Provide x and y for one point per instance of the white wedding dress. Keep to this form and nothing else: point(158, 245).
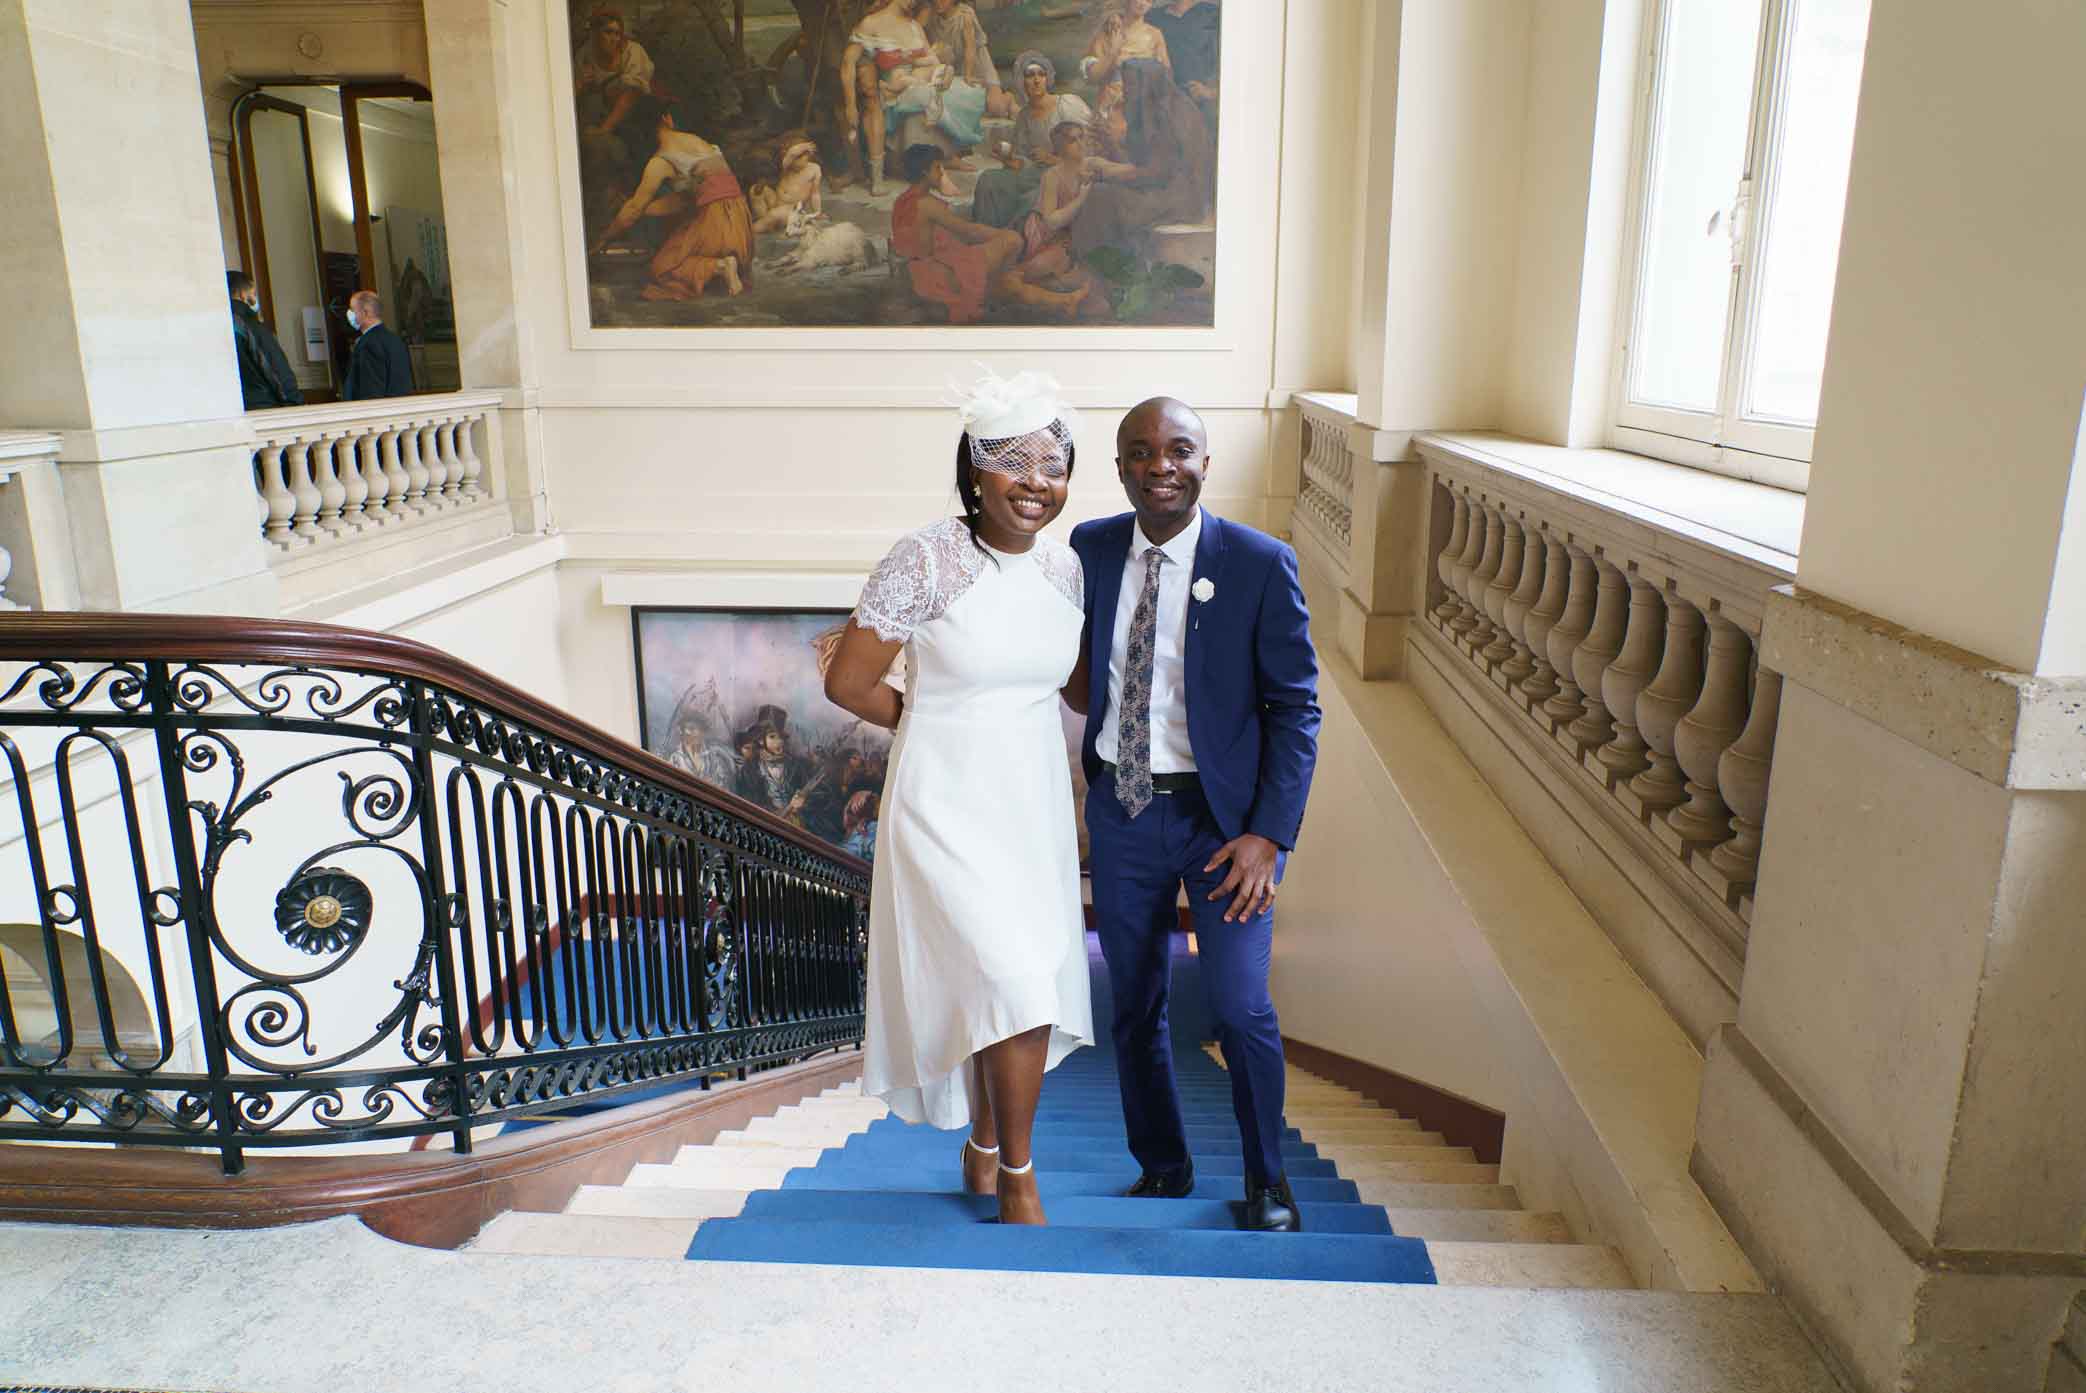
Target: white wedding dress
point(975, 926)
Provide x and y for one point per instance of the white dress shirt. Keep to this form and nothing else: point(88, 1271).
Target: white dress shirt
point(1171, 753)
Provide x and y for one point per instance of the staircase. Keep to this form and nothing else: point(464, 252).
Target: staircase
point(836, 1180)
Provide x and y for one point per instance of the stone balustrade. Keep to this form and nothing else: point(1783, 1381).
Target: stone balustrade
point(32, 527)
point(1326, 465)
point(328, 475)
point(1622, 641)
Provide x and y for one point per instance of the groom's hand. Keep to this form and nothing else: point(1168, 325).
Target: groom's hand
point(1251, 881)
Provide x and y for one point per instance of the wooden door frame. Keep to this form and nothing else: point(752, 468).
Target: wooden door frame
point(246, 194)
point(352, 94)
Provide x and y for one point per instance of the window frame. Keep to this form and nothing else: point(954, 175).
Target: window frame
point(1722, 441)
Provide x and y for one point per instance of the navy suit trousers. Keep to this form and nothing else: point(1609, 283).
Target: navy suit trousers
point(1139, 867)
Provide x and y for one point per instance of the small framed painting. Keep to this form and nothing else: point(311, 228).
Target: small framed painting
point(736, 697)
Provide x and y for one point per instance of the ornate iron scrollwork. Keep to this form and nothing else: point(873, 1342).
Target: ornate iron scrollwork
point(476, 914)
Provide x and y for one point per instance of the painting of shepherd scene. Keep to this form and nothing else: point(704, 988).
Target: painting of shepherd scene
point(779, 163)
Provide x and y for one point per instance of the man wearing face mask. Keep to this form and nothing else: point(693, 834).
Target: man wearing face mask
point(380, 365)
point(265, 378)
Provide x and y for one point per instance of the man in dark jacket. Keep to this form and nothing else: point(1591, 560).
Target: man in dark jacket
point(265, 378)
point(380, 365)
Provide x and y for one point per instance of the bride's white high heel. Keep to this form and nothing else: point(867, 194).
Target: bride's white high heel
point(1020, 1172)
point(991, 1153)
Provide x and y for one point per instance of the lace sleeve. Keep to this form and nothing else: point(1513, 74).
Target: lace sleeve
point(899, 595)
point(1062, 568)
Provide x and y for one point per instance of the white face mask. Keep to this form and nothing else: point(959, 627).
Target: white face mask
point(354, 320)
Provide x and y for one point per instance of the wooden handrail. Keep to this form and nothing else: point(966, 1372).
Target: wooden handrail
point(33, 637)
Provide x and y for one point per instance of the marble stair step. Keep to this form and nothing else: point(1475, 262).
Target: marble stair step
point(806, 1140)
point(586, 1235)
point(784, 1156)
point(1361, 1129)
point(1480, 1225)
point(657, 1201)
point(737, 1170)
point(1371, 1135)
point(1434, 1172)
point(1408, 1194)
point(1344, 1154)
point(806, 1126)
point(1581, 1265)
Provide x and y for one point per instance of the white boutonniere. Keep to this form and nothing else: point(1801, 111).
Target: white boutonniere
point(1203, 589)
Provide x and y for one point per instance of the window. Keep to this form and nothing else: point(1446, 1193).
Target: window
point(1746, 130)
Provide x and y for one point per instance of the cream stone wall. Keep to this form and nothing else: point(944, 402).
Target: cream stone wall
point(1576, 145)
point(1444, 107)
point(1950, 419)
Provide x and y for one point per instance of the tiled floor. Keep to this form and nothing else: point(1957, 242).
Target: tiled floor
point(332, 1308)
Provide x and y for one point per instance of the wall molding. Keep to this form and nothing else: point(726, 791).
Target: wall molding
point(1732, 1042)
point(2010, 728)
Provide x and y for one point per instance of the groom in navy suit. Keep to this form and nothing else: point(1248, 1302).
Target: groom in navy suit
point(1201, 733)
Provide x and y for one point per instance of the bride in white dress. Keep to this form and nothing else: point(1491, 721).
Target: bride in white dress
point(977, 941)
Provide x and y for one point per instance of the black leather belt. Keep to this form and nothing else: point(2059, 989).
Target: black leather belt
point(1168, 783)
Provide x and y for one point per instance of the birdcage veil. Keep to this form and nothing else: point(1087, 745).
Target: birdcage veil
point(1015, 425)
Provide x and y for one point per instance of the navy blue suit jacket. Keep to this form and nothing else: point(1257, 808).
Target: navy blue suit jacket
point(1251, 674)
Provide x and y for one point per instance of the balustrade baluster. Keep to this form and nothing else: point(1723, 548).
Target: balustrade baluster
point(1643, 645)
point(452, 463)
point(305, 490)
point(1660, 708)
point(279, 501)
point(1481, 629)
point(1512, 549)
point(1742, 779)
point(1712, 724)
point(430, 451)
point(333, 495)
point(467, 454)
point(415, 465)
point(1445, 564)
point(1521, 663)
point(354, 488)
point(378, 512)
point(398, 483)
point(1603, 641)
point(1466, 565)
point(1567, 702)
point(1541, 684)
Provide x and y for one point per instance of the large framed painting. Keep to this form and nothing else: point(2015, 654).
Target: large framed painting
point(780, 163)
point(737, 698)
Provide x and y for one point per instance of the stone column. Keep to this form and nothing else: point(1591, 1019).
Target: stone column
point(479, 98)
point(120, 334)
point(1893, 1126)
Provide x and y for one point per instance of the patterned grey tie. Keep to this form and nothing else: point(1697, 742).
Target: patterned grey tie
point(1133, 750)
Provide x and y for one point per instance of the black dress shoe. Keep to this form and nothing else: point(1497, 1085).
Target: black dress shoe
point(1271, 1208)
point(1164, 1185)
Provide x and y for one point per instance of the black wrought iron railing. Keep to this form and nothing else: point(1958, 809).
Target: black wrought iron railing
point(273, 885)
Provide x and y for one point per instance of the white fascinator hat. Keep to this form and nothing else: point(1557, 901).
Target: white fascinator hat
point(1001, 408)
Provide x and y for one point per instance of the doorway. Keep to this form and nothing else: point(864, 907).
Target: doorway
point(338, 188)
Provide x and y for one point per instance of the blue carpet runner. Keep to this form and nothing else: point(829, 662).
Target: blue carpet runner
point(892, 1196)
